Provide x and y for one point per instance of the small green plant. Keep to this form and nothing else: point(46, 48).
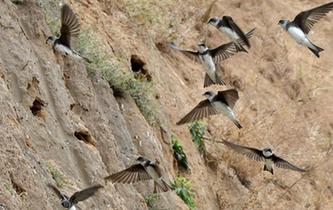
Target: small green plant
point(151, 201)
point(113, 70)
point(52, 14)
point(9, 188)
point(154, 16)
point(178, 152)
point(183, 187)
point(197, 130)
point(56, 174)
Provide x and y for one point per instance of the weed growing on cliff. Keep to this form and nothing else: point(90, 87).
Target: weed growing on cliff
point(9, 188)
point(151, 201)
point(56, 174)
point(52, 14)
point(114, 71)
point(197, 130)
point(178, 152)
point(183, 187)
point(154, 15)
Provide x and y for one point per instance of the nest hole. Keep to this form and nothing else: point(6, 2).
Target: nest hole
point(138, 67)
point(17, 187)
point(85, 137)
point(137, 63)
point(37, 107)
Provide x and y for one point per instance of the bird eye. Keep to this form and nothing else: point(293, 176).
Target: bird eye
point(65, 204)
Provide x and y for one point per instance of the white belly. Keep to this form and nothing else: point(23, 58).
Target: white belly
point(231, 34)
point(72, 208)
point(299, 36)
point(269, 164)
point(209, 66)
point(222, 108)
point(66, 51)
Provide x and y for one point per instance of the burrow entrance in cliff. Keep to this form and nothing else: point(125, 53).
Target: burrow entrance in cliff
point(37, 107)
point(17, 187)
point(138, 66)
point(85, 137)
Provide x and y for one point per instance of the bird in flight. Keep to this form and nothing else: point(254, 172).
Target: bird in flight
point(144, 169)
point(302, 24)
point(232, 30)
point(265, 155)
point(70, 28)
point(70, 202)
point(211, 57)
point(221, 102)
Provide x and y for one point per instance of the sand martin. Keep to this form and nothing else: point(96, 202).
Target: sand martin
point(144, 169)
point(216, 103)
point(211, 57)
point(302, 24)
point(231, 29)
point(263, 155)
point(70, 202)
point(70, 28)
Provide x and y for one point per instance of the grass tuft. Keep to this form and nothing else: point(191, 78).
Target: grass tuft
point(9, 188)
point(197, 130)
point(115, 71)
point(56, 174)
point(183, 187)
point(151, 201)
point(154, 16)
point(178, 152)
point(52, 14)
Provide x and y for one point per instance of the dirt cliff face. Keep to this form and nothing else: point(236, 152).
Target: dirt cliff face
point(63, 123)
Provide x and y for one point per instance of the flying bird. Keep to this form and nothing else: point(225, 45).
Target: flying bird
point(70, 28)
point(70, 202)
point(144, 169)
point(232, 30)
point(302, 24)
point(265, 155)
point(211, 57)
point(216, 103)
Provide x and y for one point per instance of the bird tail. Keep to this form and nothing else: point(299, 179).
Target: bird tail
point(245, 41)
point(239, 47)
point(237, 124)
point(269, 170)
point(161, 186)
point(86, 59)
point(81, 56)
point(316, 49)
point(208, 81)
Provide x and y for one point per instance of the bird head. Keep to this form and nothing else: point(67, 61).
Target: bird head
point(267, 152)
point(142, 159)
point(50, 40)
point(202, 47)
point(208, 94)
point(283, 23)
point(213, 21)
point(66, 203)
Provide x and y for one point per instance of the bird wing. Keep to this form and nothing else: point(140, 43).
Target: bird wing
point(306, 19)
point(223, 52)
point(235, 28)
point(190, 54)
point(84, 194)
point(70, 26)
point(251, 153)
point(279, 162)
point(160, 185)
point(227, 50)
point(203, 109)
point(132, 174)
point(229, 97)
point(56, 190)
